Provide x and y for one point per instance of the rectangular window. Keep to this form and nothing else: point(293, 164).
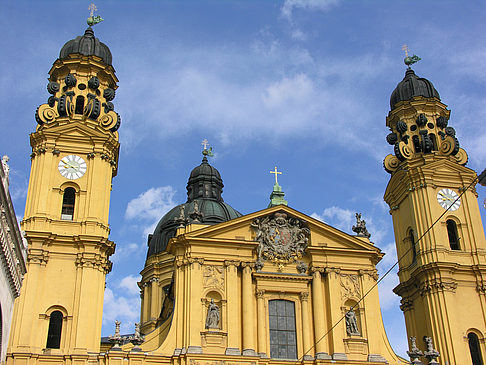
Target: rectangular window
point(283, 339)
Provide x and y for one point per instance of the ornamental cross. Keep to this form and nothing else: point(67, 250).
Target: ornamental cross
point(405, 48)
point(205, 143)
point(92, 8)
point(276, 173)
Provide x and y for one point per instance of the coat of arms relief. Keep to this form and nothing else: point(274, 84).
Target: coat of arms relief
point(282, 239)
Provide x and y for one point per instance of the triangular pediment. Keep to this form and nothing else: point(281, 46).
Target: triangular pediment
point(321, 234)
point(73, 129)
point(445, 166)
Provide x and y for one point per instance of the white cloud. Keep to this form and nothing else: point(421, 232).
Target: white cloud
point(388, 299)
point(125, 308)
point(297, 89)
point(241, 94)
point(312, 5)
point(340, 218)
point(298, 35)
point(149, 206)
point(130, 284)
point(126, 250)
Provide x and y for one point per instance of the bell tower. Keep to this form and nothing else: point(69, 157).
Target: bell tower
point(74, 158)
point(442, 270)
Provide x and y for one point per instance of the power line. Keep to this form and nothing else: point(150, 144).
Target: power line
point(390, 269)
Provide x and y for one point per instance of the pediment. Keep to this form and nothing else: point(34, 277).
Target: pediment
point(321, 234)
point(73, 128)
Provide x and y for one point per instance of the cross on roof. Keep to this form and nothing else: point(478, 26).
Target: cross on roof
point(276, 173)
point(92, 8)
point(205, 143)
point(405, 48)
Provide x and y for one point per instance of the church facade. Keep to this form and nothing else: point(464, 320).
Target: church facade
point(218, 287)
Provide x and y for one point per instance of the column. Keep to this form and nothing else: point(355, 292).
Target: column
point(146, 302)
point(232, 315)
point(262, 339)
point(154, 299)
point(306, 335)
point(248, 313)
point(319, 320)
point(196, 316)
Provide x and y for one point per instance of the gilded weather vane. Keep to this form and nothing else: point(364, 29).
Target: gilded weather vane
point(93, 20)
point(409, 60)
point(206, 152)
point(276, 173)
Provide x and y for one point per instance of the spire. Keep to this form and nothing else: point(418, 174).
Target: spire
point(277, 195)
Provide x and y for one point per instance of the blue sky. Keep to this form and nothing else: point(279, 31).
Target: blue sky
point(303, 85)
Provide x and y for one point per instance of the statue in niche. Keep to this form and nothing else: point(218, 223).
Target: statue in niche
point(352, 323)
point(212, 319)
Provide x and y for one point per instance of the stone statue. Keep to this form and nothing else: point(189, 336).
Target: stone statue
point(6, 168)
point(212, 319)
point(196, 215)
point(137, 339)
point(116, 339)
point(352, 323)
point(360, 227)
point(414, 352)
point(431, 354)
point(181, 219)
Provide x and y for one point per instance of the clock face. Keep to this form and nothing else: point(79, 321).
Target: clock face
point(72, 167)
point(447, 199)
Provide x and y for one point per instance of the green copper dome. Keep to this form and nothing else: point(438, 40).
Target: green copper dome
point(204, 205)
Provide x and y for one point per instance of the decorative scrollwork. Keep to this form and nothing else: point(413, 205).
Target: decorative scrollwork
point(401, 126)
point(110, 121)
point(117, 125)
point(441, 122)
point(450, 131)
point(421, 120)
point(282, 239)
point(53, 87)
point(461, 157)
point(109, 94)
point(402, 151)
point(70, 80)
point(390, 163)
point(92, 109)
point(447, 146)
point(392, 138)
point(65, 106)
point(108, 106)
point(45, 114)
point(94, 83)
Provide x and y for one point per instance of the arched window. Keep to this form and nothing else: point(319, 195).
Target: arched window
point(412, 246)
point(283, 342)
point(79, 105)
point(474, 349)
point(55, 329)
point(68, 200)
point(452, 233)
